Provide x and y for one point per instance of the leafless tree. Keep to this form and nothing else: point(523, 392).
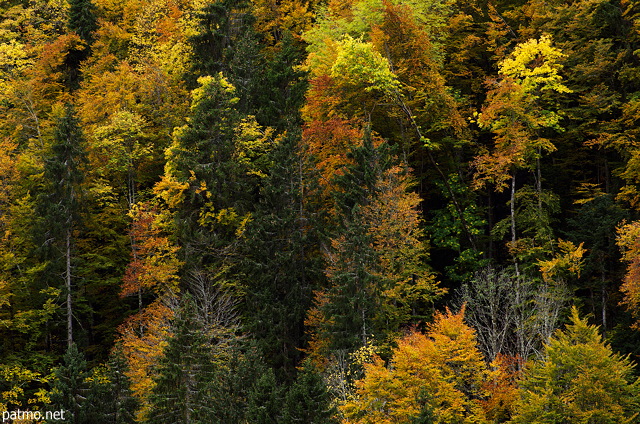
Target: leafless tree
point(513, 315)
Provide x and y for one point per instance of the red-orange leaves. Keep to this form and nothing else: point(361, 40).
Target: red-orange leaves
point(154, 265)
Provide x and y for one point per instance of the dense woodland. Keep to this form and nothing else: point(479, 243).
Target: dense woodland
point(320, 211)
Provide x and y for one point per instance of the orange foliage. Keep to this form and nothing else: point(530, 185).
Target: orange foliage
point(328, 142)
point(153, 268)
point(154, 265)
point(323, 100)
point(502, 387)
point(318, 345)
point(143, 338)
point(442, 370)
point(629, 242)
point(48, 74)
point(413, 57)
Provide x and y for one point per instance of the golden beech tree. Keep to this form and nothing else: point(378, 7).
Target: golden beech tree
point(152, 274)
point(438, 376)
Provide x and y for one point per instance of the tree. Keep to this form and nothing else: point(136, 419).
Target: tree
point(82, 19)
point(214, 168)
point(516, 111)
point(375, 262)
point(182, 390)
point(70, 388)
point(121, 404)
point(279, 262)
point(439, 375)
point(264, 404)
point(628, 241)
point(580, 379)
point(308, 400)
point(513, 315)
point(59, 205)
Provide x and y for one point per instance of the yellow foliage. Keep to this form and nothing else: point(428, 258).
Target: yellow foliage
point(442, 371)
point(535, 64)
point(360, 66)
point(567, 260)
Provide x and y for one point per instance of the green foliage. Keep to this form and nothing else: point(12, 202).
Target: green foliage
point(277, 267)
point(82, 19)
point(183, 383)
point(70, 387)
point(376, 269)
point(214, 168)
point(264, 405)
point(357, 64)
point(580, 380)
point(308, 400)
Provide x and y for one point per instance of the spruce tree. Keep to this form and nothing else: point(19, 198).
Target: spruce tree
point(70, 389)
point(112, 401)
point(278, 262)
point(59, 208)
point(82, 19)
point(264, 405)
point(182, 394)
point(308, 400)
point(376, 258)
point(213, 172)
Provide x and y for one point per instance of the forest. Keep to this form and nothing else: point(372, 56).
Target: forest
point(320, 211)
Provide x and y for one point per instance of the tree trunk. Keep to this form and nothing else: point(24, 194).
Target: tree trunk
point(68, 286)
point(513, 220)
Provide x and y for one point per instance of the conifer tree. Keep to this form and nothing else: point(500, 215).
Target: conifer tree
point(376, 261)
point(213, 171)
point(70, 389)
point(183, 383)
point(82, 19)
point(278, 260)
point(114, 401)
point(308, 401)
point(59, 206)
point(264, 404)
